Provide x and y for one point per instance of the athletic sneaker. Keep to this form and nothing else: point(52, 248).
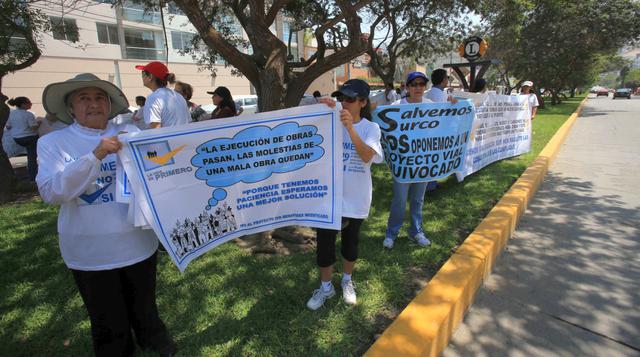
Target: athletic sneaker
point(421, 240)
point(387, 243)
point(319, 297)
point(349, 292)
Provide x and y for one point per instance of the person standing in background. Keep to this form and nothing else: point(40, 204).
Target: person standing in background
point(438, 92)
point(390, 94)
point(225, 106)
point(138, 114)
point(24, 129)
point(49, 124)
point(317, 95)
point(414, 191)
point(196, 111)
point(164, 107)
point(527, 86)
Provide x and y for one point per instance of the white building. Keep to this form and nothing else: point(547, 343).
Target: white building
point(113, 40)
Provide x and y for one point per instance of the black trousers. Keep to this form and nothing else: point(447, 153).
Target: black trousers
point(326, 242)
point(31, 144)
point(120, 300)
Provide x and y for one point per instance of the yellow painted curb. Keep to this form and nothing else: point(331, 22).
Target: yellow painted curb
point(425, 326)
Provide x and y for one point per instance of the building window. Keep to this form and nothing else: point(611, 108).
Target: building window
point(143, 44)
point(107, 33)
point(174, 9)
point(64, 28)
point(137, 13)
point(182, 40)
point(286, 29)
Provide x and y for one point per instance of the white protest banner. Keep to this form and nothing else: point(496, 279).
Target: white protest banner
point(501, 129)
point(425, 142)
point(203, 184)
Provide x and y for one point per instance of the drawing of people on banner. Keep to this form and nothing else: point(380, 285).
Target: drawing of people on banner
point(193, 233)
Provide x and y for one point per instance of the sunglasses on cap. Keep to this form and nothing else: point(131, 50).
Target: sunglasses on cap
point(344, 98)
point(418, 84)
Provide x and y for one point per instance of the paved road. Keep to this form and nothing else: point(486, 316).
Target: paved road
point(568, 283)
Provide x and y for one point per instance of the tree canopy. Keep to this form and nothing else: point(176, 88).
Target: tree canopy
point(264, 59)
point(557, 43)
point(413, 29)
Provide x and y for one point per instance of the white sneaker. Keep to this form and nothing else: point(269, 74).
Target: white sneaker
point(421, 240)
point(349, 292)
point(319, 297)
point(387, 243)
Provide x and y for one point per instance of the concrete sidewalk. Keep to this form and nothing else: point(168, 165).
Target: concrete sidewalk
point(568, 283)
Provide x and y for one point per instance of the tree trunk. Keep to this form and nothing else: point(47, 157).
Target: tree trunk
point(7, 176)
point(270, 87)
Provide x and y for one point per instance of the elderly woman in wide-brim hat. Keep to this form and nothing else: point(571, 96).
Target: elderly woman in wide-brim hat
point(113, 262)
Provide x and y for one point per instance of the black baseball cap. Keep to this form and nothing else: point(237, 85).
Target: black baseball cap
point(221, 91)
point(353, 88)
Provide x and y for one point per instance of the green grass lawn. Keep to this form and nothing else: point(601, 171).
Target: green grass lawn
point(231, 303)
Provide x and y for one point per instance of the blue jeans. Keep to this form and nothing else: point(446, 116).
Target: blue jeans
point(414, 192)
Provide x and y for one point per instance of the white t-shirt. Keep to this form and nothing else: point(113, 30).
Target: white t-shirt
point(392, 96)
point(404, 101)
point(93, 228)
point(533, 100)
point(437, 95)
point(356, 180)
point(167, 107)
point(20, 121)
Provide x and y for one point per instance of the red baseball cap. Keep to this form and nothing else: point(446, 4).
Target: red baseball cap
point(156, 68)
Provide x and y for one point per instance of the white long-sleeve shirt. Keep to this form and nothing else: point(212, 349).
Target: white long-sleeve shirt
point(93, 227)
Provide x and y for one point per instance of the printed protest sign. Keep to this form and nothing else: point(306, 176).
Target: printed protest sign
point(202, 184)
point(501, 129)
point(425, 142)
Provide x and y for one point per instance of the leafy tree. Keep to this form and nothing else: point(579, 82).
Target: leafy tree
point(412, 29)
point(633, 78)
point(506, 21)
point(279, 78)
point(557, 42)
point(623, 74)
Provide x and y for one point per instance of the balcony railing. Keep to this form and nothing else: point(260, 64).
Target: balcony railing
point(145, 53)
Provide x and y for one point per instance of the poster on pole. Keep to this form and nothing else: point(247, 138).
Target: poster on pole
point(501, 129)
point(425, 142)
point(203, 184)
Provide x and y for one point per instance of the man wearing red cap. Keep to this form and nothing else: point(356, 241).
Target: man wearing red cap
point(164, 107)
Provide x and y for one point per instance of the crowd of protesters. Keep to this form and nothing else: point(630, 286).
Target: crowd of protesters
point(114, 263)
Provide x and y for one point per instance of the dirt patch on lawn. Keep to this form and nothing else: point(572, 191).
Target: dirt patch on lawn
point(282, 241)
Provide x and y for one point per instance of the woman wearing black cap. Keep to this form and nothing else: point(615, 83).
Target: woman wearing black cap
point(361, 142)
point(225, 107)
